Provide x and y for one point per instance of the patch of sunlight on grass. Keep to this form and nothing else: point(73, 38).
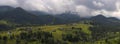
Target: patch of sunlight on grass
point(57, 35)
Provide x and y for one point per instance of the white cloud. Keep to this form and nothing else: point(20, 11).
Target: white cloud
point(98, 4)
point(115, 13)
point(82, 7)
point(8, 2)
point(55, 6)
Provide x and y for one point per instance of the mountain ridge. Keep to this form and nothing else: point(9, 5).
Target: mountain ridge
point(21, 16)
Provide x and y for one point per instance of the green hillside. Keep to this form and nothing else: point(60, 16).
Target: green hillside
point(76, 33)
point(18, 26)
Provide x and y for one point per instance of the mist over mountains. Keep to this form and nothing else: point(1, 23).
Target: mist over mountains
point(20, 16)
point(85, 8)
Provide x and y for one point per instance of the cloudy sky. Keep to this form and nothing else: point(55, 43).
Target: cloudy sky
point(109, 8)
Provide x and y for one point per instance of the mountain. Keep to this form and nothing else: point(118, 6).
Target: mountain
point(20, 16)
point(113, 18)
point(38, 13)
point(5, 8)
point(69, 17)
point(46, 17)
point(64, 18)
point(100, 19)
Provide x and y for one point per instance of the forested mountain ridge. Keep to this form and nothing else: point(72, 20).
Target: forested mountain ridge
point(21, 16)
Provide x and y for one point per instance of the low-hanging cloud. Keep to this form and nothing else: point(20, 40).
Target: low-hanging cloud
point(85, 8)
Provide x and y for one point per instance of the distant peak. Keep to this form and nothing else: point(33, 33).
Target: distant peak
point(19, 8)
point(100, 15)
point(7, 6)
point(113, 18)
